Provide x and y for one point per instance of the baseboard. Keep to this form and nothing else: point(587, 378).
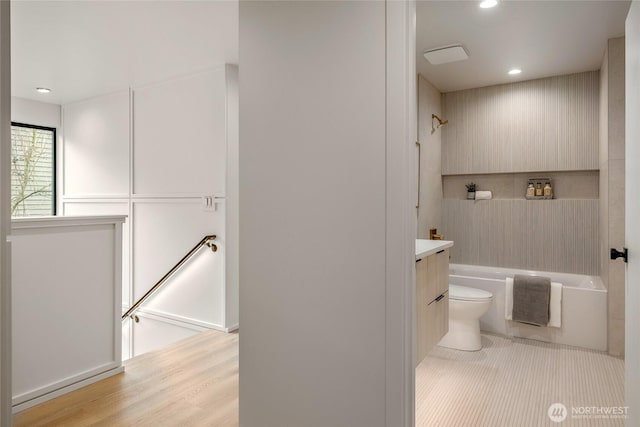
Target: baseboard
point(182, 321)
point(66, 389)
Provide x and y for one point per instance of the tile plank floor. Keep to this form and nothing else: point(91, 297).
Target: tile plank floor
point(512, 382)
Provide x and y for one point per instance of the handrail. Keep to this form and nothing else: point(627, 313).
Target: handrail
point(206, 240)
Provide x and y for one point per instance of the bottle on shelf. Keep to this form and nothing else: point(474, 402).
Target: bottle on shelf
point(548, 191)
point(531, 191)
point(539, 190)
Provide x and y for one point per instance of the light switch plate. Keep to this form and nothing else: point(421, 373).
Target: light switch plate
point(209, 204)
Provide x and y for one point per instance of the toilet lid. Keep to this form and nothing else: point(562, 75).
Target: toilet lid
point(462, 293)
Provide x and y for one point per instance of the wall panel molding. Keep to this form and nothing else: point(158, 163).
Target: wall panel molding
point(183, 132)
point(95, 146)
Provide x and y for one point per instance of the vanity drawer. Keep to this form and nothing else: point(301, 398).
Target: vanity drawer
point(441, 261)
point(437, 275)
point(434, 326)
point(432, 301)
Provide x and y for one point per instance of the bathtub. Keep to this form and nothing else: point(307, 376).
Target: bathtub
point(584, 306)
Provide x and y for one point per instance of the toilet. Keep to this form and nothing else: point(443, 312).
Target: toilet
point(466, 305)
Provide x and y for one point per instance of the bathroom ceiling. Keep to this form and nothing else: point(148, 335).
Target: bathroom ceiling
point(85, 48)
point(543, 38)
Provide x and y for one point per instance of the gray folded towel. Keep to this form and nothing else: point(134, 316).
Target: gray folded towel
point(531, 296)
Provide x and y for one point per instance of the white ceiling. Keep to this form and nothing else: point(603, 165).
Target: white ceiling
point(85, 48)
point(543, 38)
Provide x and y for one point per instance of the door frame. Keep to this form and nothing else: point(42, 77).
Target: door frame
point(5, 215)
point(401, 230)
point(632, 292)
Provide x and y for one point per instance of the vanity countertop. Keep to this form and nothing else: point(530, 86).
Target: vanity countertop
point(425, 248)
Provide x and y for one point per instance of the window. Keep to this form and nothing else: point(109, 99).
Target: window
point(32, 170)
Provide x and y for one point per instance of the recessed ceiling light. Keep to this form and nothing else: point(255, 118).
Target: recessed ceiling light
point(515, 71)
point(43, 90)
point(486, 4)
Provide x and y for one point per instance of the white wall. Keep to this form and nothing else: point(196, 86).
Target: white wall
point(66, 312)
point(153, 153)
point(163, 231)
point(35, 112)
point(232, 201)
point(86, 207)
point(96, 147)
point(154, 332)
point(314, 216)
point(95, 164)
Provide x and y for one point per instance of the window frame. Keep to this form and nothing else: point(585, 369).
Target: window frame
point(54, 183)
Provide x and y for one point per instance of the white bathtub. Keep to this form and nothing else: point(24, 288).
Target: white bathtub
point(584, 306)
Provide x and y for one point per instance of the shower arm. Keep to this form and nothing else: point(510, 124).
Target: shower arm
point(441, 122)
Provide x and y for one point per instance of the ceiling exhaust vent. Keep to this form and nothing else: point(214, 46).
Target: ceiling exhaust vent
point(446, 54)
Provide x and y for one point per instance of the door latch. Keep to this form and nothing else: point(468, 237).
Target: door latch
point(617, 254)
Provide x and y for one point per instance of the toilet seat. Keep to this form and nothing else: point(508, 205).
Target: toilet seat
point(463, 293)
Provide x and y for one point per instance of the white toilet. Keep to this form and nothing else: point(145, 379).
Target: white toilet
point(466, 305)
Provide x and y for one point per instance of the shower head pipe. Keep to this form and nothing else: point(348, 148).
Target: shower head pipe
point(440, 121)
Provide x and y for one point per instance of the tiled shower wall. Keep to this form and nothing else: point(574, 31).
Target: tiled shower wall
point(548, 124)
point(499, 136)
point(546, 235)
point(430, 139)
point(612, 186)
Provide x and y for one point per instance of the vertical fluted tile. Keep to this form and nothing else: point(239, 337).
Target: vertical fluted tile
point(548, 235)
point(537, 125)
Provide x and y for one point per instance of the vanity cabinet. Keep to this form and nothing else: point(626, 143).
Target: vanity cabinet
point(437, 281)
point(432, 301)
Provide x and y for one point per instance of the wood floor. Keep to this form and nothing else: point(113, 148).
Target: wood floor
point(191, 383)
point(512, 383)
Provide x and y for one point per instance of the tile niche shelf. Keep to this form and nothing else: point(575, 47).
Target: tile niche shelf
point(572, 185)
point(534, 182)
